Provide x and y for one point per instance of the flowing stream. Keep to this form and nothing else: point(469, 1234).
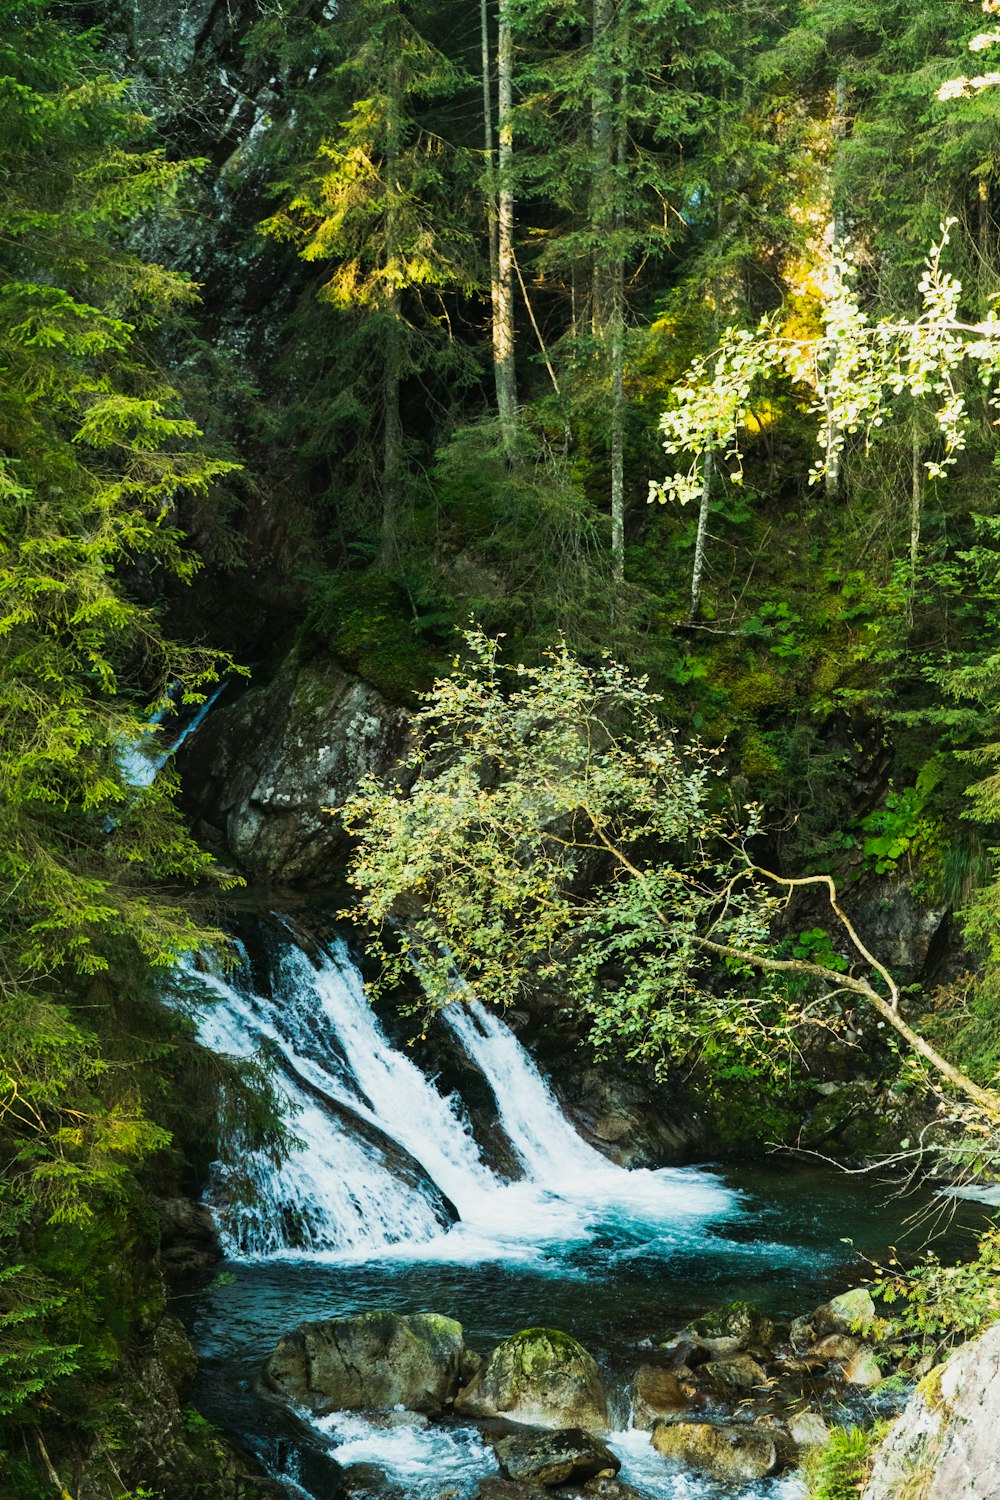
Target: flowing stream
point(388, 1200)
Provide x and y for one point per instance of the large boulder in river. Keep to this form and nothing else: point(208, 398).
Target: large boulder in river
point(264, 768)
point(376, 1360)
point(551, 1458)
point(540, 1377)
point(738, 1454)
point(944, 1445)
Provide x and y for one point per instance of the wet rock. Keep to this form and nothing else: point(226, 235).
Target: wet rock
point(656, 1393)
point(508, 1489)
point(863, 1368)
point(541, 1377)
point(379, 1359)
point(612, 1489)
point(551, 1458)
point(801, 1332)
point(737, 1375)
point(174, 1354)
point(617, 1115)
point(189, 1240)
point(741, 1322)
point(847, 1313)
point(944, 1445)
point(263, 768)
point(836, 1346)
point(735, 1453)
point(807, 1429)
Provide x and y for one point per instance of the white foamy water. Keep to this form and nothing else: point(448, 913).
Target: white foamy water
point(140, 761)
point(424, 1461)
point(334, 1193)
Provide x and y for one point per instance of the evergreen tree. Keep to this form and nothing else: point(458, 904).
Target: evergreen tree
point(376, 207)
point(96, 453)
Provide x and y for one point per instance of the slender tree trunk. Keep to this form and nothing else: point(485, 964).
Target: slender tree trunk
point(490, 173)
point(503, 306)
point(916, 504)
point(392, 422)
point(608, 294)
point(392, 439)
point(601, 191)
point(838, 235)
point(701, 536)
point(618, 431)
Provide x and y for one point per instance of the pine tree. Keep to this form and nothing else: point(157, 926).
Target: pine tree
point(97, 453)
point(376, 209)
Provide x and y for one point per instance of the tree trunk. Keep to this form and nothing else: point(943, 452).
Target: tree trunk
point(837, 236)
point(491, 186)
point(701, 536)
point(608, 294)
point(916, 506)
point(503, 305)
point(392, 439)
point(618, 439)
point(601, 190)
point(392, 422)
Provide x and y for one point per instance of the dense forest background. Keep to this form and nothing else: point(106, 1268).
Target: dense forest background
point(349, 324)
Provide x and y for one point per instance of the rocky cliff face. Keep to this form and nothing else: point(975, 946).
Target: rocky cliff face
point(944, 1446)
point(263, 772)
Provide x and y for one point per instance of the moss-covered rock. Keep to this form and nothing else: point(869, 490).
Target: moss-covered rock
point(376, 1360)
point(542, 1377)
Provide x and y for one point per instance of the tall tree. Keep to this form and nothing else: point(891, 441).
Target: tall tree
point(376, 207)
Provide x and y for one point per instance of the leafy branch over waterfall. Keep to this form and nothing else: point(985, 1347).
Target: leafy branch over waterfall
point(558, 833)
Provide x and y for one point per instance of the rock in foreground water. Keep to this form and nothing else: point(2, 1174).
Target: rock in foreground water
point(540, 1377)
point(735, 1453)
point(550, 1458)
point(379, 1359)
point(656, 1393)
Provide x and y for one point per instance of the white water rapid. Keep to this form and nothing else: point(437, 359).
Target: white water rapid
point(384, 1153)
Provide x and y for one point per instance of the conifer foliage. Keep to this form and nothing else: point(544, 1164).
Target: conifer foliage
point(96, 451)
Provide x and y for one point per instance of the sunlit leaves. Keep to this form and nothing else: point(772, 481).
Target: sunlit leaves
point(558, 834)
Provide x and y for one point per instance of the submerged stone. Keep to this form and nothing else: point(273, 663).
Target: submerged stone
point(735, 1453)
point(738, 1374)
point(376, 1360)
point(541, 1377)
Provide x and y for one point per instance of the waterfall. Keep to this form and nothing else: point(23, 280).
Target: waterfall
point(386, 1159)
point(552, 1152)
point(388, 1086)
point(141, 760)
point(543, 1138)
point(336, 1192)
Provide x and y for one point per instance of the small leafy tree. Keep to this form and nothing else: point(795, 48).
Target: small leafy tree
point(557, 832)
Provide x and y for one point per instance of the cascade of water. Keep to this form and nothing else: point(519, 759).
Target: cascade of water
point(554, 1155)
point(384, 1153)
point(402, 1101)
point(541, 1135)
point(140, 761)
point(336, 1192)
